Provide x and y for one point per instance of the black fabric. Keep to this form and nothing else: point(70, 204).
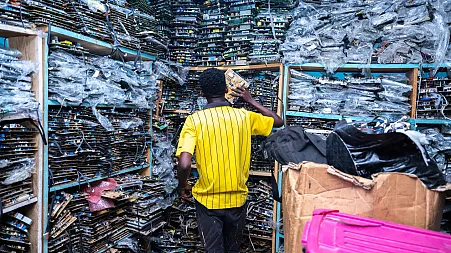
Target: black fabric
point(275, 188)
point(221, 230)
point(357, 153)
point(292, 144)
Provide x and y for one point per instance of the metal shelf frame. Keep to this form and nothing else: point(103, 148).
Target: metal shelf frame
point(95, 46)
point(412, 71)
point(100, 48)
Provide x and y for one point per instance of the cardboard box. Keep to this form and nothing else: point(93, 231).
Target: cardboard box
point(393, 197)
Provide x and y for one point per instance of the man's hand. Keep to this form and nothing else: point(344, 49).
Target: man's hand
point(242, 93)
point(184, 194)
point(246, 96)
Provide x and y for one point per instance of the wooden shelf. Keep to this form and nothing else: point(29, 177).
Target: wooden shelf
point(357, 66)
point(327, 116)
point(69, 185)
point(95, 46)
point(20, 204)
point(260, 173)
point(8, 31)
point(242, 67)
point(32, 47)
point(177, 111)
point(56, 103)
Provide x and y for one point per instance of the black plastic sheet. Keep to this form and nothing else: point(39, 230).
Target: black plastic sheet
point(357, 153)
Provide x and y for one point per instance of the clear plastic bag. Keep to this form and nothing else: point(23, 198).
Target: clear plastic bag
point(20, 172)
point(162, 71)
point(389, 55)
point(164, 167)
point(414, 15)
point(99, 81)
point(439, 145)
point(360, 54)
point(95, 5)
point(104, 121)
point(383, 18)
point(333, 59)
point(16, 95)
point(132, 123)
point(316, 33)
point(9, 54)
point(442, 43)
point(4, 163)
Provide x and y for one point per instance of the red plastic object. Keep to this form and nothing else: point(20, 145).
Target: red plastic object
point(332, 231)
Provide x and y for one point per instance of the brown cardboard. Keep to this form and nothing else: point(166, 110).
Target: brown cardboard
point(393, 197)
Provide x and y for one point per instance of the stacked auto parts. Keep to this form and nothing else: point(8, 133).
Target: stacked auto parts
point(19, 127)
point(76, 135)
point(102, 214)
point(14, 236)
point(211, 34)
point(240, 33)
point(76, 78)
point(15, 13)
point(184, 32)
point(259, 219)
point(119, 23)
point(434, 98)
point(385, 32)
point(17, 163)
point(163, 16)
point(386, 96)
point(271, 24)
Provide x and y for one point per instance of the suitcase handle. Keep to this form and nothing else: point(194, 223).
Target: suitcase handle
point(353, 224)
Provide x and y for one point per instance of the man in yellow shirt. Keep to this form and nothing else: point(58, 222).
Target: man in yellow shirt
point(221, 138)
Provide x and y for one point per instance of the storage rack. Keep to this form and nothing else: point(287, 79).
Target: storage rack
point(412, 71)
point(34, 48)
point(31, 45)
point(96, 47)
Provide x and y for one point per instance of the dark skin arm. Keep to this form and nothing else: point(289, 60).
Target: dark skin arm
point(246, 96)
point(183, 172)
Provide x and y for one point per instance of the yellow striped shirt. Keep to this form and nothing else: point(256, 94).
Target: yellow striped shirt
point(221, 138)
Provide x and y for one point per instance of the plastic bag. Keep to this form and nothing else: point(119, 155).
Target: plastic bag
point(390, 54)
point(438, 145)
point(102, 119)
point(132, 123)
point(164, 166)
point(361, 154)
point(16, 95)
point(405, 26)
point(442, 43)
point(414, 15)
point(95, 5)
point(4, 163)
point(161, 70)
point(20, 172)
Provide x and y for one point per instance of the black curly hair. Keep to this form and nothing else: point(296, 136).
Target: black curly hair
point(212, 82)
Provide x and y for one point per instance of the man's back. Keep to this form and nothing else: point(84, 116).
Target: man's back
point(221, 139)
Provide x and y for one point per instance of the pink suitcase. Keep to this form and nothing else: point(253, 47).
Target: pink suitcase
point(332, 231)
